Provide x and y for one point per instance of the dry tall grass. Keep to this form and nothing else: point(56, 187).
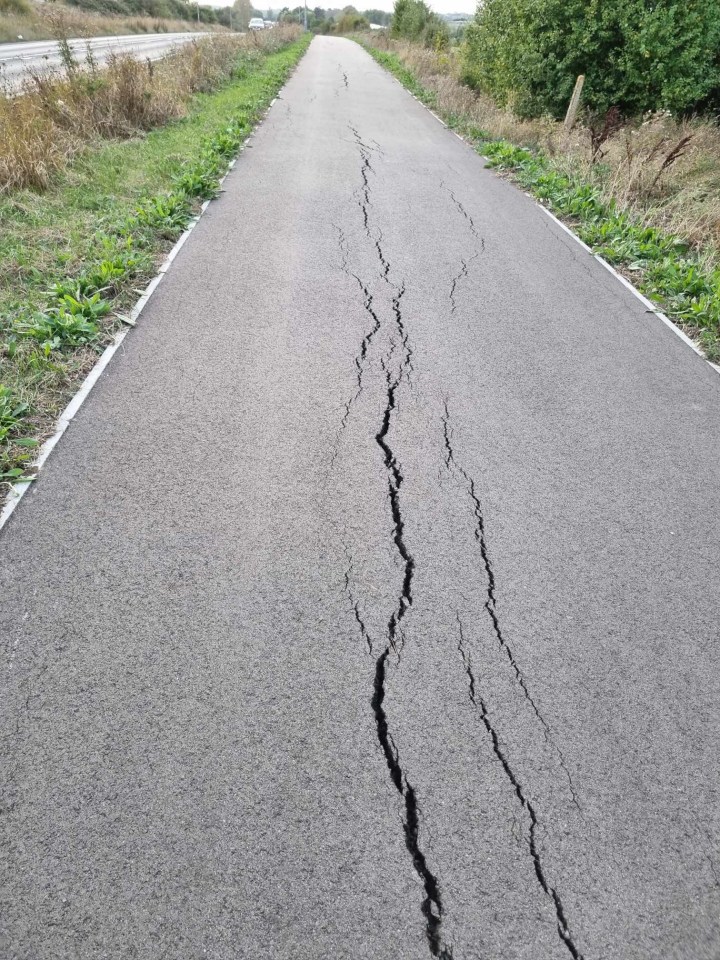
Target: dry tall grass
point(58, 114)
point(667, 171)
point(41, 21)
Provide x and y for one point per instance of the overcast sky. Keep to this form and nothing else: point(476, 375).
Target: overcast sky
point(440, 6)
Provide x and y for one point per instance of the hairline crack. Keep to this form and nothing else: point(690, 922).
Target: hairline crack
point(490, 605)
point(548, 889)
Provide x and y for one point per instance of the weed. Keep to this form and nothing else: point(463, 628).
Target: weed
point(72, 320)
point(66, 55)
point(165, 215)
point(101, 277)
point(12, 412)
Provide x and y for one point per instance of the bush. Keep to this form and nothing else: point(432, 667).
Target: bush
point(414, 20)
point(637, 55)
point(351, 21)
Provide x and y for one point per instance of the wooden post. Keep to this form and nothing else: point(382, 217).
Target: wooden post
point(574, 103)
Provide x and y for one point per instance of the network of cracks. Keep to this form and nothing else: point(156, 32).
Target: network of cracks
point(396, 363)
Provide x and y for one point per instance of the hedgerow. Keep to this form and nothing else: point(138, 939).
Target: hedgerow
point(636, 55)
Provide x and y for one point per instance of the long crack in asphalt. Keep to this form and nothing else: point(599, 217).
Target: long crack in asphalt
point(490, 604)
point(462, 275)
point(397, 365)
point(465, 263)
point(362, 355)
point(432, 907)
point(361, 359)
point(355, 604)
point(477, 700)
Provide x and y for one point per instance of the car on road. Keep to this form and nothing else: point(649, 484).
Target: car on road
point(257, 23)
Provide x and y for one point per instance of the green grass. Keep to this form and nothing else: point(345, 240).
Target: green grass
point(73, 259)
point(662, 266)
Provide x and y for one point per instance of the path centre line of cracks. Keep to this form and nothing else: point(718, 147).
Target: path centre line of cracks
point(397, 365)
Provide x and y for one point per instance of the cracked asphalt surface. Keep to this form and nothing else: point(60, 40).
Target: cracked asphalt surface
point(368, 609)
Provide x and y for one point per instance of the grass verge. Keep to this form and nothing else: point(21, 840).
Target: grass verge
point(72, 259)
point(681, 277)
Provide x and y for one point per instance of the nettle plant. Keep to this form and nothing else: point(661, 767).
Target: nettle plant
point(72, 322)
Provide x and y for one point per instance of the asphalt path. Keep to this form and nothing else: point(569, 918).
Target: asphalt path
point(18, 60)
point(369, 607)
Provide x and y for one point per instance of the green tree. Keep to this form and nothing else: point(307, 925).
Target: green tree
point(414, 20)
point(243, 13)
point(350, 20)
point(318, 20)
point(381, 17)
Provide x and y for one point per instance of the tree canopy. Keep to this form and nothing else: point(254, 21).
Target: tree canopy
point(414, 20)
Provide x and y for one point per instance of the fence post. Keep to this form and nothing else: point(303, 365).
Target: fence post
point(574, 103)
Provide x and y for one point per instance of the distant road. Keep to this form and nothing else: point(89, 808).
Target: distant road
point(18, 59)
